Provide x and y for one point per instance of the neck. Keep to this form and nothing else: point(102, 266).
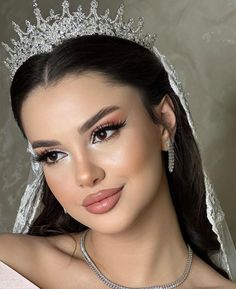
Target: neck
point(152, 250)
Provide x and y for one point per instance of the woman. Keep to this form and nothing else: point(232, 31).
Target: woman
point(103, 121)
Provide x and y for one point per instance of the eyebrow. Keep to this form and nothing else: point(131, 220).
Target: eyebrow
point(86, 126)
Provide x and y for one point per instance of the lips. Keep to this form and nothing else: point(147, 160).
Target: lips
point(101, 195)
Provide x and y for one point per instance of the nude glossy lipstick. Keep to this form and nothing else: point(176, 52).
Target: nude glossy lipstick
point(102, 201)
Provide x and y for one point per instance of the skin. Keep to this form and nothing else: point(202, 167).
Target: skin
point(142, 228)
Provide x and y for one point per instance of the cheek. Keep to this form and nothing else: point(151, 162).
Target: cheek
point(135, 158)
point(140, 152)
point(59, 182)
point(143, 167)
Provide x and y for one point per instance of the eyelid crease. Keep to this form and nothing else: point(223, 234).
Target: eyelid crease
point(109, 125)
point(98, 116)
point(42, 156)
point(48, 150)
point(96, 129)
point(114, 126)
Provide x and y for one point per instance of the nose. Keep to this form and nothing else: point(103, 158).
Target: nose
point(87, 172)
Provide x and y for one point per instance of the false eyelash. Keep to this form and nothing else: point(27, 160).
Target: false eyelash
point(109, 126)
point(42, 157)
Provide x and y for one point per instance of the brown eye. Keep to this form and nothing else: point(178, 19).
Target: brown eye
point(52, 157)
point(104, 134)
point(101, 134)
point(107, 131)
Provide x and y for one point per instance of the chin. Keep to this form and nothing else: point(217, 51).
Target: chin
point(113, 224)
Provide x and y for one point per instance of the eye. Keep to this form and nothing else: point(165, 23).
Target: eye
point(49, 157)
point(103, 134)
point(107, 131)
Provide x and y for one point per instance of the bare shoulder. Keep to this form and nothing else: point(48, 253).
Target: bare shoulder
point(42, 260)
point(205, 277)
point(21, 252)
point(19, 246)
point(228, 284)
point(13, 246)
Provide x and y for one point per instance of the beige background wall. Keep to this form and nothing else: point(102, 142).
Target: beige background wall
point(199, 37)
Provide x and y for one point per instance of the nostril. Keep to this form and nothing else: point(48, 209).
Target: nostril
point(96, 180)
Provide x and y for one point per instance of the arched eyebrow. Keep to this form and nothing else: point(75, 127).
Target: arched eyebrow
point(95, 118)
point(86, 126)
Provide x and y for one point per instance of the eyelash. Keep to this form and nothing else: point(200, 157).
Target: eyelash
point(43, 157)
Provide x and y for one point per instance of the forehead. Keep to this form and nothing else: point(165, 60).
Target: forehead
point(82, 88)
point(75, 97)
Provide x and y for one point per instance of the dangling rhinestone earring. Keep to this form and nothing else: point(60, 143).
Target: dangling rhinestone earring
point(65, 211)
point(171, 156)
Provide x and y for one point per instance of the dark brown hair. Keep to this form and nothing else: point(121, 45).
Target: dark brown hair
point(125, 62)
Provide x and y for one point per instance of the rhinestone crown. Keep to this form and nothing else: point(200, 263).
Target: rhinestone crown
point(55, 28)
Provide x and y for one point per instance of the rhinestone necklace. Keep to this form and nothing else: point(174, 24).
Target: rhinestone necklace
point(113, 285)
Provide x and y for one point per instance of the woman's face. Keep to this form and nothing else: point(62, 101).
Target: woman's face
point(80, 160)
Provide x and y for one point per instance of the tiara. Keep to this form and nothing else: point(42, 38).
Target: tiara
point(55, 28)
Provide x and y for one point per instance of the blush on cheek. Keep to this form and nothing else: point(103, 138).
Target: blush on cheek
point(138, 152)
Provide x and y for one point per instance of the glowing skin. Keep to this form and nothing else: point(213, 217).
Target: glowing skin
point(132, 157)
point(143, 222)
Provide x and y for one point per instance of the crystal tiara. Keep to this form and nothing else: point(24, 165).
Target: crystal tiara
point(55, 28)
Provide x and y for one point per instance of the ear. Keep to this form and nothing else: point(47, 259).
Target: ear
point(166, 114)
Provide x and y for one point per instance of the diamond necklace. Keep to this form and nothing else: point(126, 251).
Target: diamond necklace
point(113, 285)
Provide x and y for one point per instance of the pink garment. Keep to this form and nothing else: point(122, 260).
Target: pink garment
point(10, 279)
